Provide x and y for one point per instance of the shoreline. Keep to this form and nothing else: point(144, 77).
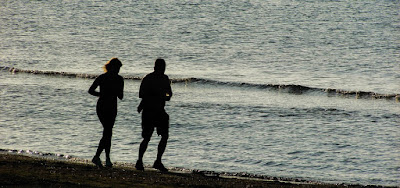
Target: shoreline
point(29, 168)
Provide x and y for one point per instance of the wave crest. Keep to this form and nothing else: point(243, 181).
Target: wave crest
point(289, 88)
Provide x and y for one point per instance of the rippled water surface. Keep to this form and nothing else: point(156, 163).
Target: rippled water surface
point(255, 97)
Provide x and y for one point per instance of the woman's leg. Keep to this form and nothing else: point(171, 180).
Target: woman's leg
point(107, 119)
point(105, 142)
point(107, 135)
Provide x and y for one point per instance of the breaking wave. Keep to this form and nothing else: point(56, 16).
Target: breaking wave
point(288, 88)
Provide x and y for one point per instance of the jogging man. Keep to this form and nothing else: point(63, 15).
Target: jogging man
point(155, 89)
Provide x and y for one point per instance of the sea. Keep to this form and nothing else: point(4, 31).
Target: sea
point(304, 89)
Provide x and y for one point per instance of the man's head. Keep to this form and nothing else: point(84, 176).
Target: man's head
point(159, 66)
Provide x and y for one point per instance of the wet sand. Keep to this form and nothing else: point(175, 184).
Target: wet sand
point(18, 170)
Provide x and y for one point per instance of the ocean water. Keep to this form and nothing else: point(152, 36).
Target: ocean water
point(298, 89)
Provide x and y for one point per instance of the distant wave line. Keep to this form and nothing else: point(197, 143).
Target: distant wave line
point(57, 73)
point(287, 88)
point(300, 89)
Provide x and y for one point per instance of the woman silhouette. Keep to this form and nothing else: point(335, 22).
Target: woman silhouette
point(111, 86)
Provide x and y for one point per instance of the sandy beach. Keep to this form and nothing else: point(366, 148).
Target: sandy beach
point(18, 170)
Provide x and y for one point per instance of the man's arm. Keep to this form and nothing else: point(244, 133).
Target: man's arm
point(168, 90)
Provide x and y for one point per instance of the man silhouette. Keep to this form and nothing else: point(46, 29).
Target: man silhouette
point(155, 89)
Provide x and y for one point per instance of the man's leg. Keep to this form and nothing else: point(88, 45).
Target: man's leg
point(163, 131)
point(142, 150)
point(161, 147)
point(147, 131)
point(143, 147)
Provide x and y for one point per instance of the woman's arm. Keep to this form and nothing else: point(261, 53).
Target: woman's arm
point(121, 92)
point(92, 89)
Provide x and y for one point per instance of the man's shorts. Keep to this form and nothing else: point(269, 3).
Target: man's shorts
point(151, 120)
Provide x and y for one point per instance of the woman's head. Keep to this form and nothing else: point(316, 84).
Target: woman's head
point(113, 65)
